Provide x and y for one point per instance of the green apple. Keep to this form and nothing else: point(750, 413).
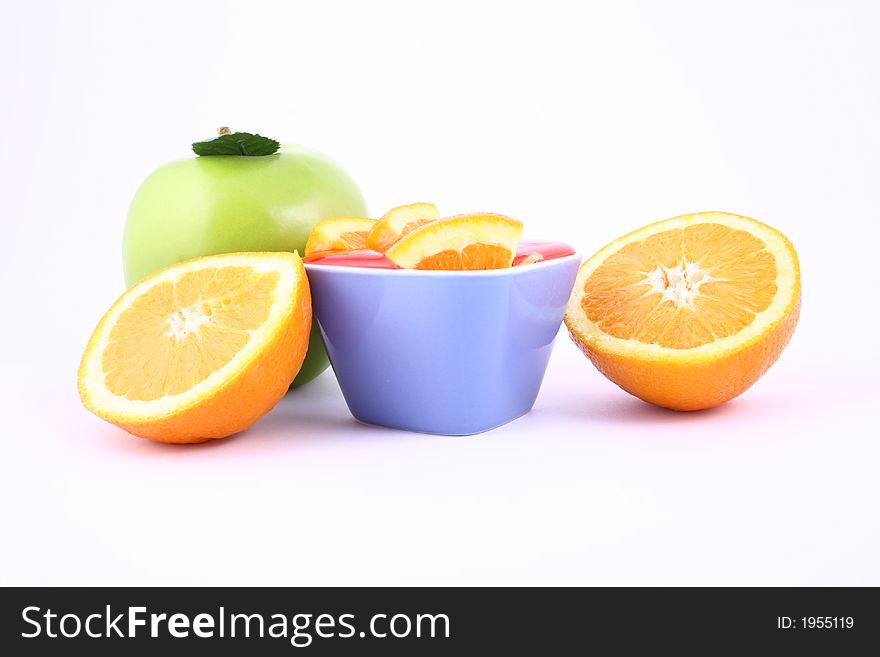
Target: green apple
point(228, 203)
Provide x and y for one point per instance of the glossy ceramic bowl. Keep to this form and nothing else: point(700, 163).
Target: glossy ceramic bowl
point(451, 353)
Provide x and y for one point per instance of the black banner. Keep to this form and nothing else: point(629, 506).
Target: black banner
point(419, 621)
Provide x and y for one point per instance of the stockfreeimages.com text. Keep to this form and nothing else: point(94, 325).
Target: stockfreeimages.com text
point(300, 629)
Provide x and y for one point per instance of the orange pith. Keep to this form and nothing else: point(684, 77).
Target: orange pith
point(689, 312)
point(463, 242)
point(200, 350)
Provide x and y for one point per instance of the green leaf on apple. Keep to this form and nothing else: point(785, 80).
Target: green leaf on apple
point(236, 143)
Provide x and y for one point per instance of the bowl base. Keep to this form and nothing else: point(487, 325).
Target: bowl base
point(438, 431)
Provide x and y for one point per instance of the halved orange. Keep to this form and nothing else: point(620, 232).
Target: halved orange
point(399, 221)
point(339, 234)
point(201, 349)
point(466, 241)
point(689, 312)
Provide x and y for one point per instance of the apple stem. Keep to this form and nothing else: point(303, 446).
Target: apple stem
point(224, 131)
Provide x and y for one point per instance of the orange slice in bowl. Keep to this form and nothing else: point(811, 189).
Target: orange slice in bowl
point(398, 222)
point(687, 313)
point(339, 234)
point(528, 259)
point(463, 242)
point(201, 349)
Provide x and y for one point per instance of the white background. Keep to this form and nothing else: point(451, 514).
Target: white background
point(585, 120)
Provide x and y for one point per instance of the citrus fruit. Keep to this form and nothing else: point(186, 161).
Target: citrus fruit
point(689, 312)
point(466, 241)
point(399, 221)
point(339, 234)
point(201, 349)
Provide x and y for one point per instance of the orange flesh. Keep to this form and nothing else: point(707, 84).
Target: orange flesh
point(473, 257)
point(353, 239)
point(386, 237)
point(177, 334)
point(682, 288)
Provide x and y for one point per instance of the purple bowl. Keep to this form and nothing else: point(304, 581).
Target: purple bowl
point(441, 352)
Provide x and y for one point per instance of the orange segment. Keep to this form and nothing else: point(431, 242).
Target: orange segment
point(688, 312)
point(463, 242)
point(200, 350)
point(398, 222)
point(339, 234)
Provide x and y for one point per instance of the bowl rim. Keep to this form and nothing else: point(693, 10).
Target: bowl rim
point(435, 273)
